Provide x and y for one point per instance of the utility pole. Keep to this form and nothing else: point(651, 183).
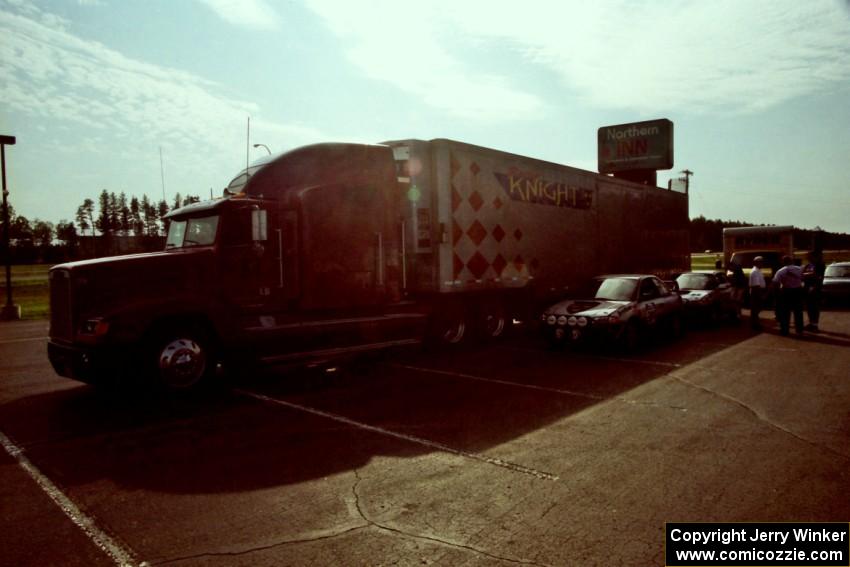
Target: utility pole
point(10, 311)
point(687, 173)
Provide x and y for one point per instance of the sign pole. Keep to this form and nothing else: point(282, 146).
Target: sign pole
point(10, 311)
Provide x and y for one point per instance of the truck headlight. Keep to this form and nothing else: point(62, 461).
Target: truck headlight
point(582, 321)
point(562, 320)
point(97, 327)
point(571, 321)
point(551, 319)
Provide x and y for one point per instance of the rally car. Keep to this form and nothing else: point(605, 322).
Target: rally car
point(623, 309)
point(707, 296)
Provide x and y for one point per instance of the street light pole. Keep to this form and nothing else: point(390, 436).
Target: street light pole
point(10, 310)
point(263, 146)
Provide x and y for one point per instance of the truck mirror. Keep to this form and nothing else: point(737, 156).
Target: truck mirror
point(259, 226)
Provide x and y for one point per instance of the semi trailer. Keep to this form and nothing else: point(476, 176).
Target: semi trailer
point(335, 249)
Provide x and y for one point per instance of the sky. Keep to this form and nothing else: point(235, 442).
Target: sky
point(95, 91)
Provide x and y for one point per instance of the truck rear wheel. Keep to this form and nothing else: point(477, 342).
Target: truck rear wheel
point(493, 320)
point(182, 359)
point(449, 326)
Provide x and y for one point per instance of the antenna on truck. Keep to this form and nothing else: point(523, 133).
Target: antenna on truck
point(162, 173)
point(247, 145)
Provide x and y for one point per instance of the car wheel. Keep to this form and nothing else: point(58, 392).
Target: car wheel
point(631, 337)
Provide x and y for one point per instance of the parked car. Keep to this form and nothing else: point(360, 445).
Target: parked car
point(707, 296)
point(622, 309)
point(836, 284)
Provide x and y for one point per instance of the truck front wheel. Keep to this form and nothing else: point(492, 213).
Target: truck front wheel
point(182, 359)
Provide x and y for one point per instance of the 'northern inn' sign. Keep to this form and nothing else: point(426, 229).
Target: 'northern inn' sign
point(640, 145)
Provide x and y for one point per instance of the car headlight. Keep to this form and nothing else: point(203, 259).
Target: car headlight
point(562, 320)
point(582, 321)
point(551, 319)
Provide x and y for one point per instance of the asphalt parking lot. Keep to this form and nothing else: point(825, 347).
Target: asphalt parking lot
point(500, 454)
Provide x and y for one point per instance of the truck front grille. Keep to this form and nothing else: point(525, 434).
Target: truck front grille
point(61, 318)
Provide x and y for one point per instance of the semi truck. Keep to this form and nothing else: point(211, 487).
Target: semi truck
point(336, 249)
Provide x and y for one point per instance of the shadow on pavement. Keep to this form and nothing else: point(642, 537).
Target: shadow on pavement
point(222, 441)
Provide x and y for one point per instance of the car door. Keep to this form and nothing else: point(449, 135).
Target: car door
point(648, 301)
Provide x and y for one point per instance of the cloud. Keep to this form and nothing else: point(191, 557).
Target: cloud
point(692, 56)
point(402, 44)
point(49, 73)
point(253, 14)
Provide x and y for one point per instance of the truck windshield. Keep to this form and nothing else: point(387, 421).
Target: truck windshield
point(192, 232)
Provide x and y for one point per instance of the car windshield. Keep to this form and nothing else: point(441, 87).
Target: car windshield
point(837, 272)
point(617, 289)
point(192, 232)
point(695, 281)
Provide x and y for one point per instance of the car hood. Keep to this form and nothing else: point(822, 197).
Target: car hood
point(694, 294)
point(588, 307)
point(836, 282)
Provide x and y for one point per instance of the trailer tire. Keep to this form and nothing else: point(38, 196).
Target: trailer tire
point(450, 326)
point(493, 320)
point(182, 358)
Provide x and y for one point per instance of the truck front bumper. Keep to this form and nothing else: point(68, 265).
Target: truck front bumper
point(90, 364)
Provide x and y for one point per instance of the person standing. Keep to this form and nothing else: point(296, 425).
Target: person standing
point(739, 283)
point(789, 279)
point(758, 288)
point(813, 274)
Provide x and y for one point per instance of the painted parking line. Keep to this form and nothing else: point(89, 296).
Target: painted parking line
point(114, 550)
point(524, 386)
point(603, 357)
point(498, 381)
point(402, 436)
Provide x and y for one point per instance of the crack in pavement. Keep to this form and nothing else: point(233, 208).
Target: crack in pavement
point(439, 541)
point(759, 416)
point(259, 548)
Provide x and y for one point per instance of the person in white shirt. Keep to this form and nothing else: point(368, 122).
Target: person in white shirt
point(757, 291)
point(789, 279)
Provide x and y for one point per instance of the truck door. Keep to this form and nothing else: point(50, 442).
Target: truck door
point(287, 277)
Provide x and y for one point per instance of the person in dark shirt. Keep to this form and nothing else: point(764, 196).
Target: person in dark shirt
point(813, 282)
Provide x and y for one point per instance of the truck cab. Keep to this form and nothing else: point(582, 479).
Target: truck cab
point(299, 260)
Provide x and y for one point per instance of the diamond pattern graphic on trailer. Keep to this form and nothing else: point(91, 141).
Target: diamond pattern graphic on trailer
point(499, 264)
point(476, 201)
point(519, 263)
point(477, 212)
point(457, 232)
point(456, 199)
point(498, 233)
point(458, 266)
point(478, 264)
point(477, 232)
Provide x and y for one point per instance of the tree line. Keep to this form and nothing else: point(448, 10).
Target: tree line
point(118, 224)
point(138, 223)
